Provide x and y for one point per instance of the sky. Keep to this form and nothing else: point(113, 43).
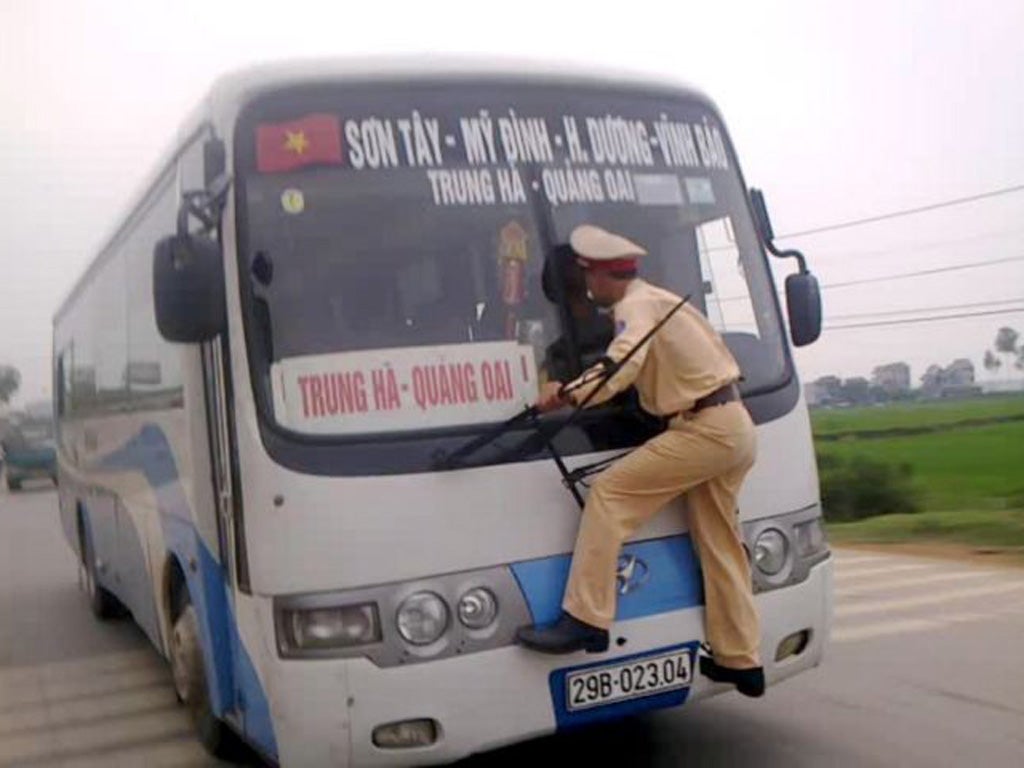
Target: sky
point(838, 110)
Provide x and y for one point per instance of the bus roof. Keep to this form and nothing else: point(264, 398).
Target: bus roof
point(242, 82)
point(235, 87)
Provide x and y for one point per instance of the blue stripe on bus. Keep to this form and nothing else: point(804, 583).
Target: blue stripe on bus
point(150, 453)
point(672, 581)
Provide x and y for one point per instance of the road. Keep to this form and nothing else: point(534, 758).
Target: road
point(924, 669)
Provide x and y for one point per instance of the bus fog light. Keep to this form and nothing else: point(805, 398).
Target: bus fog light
point(325, 628)
point(406, 734)
point(793, 644)
point(478, 608)
point(770, 551)
point(422, 618)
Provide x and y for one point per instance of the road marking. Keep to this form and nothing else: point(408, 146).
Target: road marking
point(78, 668)
point(48, 715)
point(844, 576)
point(913, 581)
point(42, 691)
point(107, 734)
point(116, 709)
point(846, 560)
point(881, 606)
point(178, 752)
point(902, 626)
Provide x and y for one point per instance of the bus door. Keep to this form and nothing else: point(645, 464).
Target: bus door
point(215, 517)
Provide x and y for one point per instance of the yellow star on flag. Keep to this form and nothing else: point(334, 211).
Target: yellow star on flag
point(296, 142)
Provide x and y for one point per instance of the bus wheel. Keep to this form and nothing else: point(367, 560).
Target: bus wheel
point(102, 603)
point(190, 685)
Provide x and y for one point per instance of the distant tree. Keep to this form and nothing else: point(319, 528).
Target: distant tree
point(992, 363)
point(1008, 343)
point(1006, 340)
point(10, 380)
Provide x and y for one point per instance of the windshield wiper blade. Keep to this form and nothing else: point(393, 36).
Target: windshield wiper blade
point(454, 460)
point(538, 438)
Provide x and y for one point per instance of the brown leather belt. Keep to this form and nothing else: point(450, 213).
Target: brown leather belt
point(721, 396)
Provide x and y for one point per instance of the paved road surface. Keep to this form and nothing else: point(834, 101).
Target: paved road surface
point(924, 670)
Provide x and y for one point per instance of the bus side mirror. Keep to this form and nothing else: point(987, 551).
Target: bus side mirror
point(188, 289)
point(803, 305)
point(803, 295)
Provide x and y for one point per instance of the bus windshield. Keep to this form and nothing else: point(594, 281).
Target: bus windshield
point(402, 248)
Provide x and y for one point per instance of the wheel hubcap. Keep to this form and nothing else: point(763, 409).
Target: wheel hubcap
point(179, 667)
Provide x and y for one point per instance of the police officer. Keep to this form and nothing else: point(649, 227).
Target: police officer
point(687, 375)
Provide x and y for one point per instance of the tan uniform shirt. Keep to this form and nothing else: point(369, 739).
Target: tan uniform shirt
point(685, 360)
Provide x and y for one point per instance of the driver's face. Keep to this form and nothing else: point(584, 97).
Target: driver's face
point(601, 286)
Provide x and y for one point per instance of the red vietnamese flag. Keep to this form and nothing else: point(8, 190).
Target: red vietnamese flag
point(308, 140)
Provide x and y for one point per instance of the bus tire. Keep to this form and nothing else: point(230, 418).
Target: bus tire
point(13, 485)
point(191, 688)
point(102, 603)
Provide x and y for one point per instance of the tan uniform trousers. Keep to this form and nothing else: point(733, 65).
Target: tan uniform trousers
point(706, 456)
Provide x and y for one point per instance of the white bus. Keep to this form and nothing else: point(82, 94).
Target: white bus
point(339, 276)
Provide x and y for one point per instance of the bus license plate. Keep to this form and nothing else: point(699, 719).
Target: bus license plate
point(631, 680)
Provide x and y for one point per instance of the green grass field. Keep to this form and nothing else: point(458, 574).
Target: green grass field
point(969, 480)
point(843, 420)
point(976, 468)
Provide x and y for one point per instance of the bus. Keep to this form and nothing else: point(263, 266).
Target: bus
point(340, 277)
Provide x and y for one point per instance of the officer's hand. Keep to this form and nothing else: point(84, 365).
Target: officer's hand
point(550, 397)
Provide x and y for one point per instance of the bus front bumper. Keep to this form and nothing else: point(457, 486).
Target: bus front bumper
point(327, 711)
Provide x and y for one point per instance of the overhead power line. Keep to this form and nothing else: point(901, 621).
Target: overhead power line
point(914, 320)
point(896, 276)
point(906, 212)
point(921, 272)
point(919, 310)
point(932, 245)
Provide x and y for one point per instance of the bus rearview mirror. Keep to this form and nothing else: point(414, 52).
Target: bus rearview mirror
point(803, 306)
point(188, 289)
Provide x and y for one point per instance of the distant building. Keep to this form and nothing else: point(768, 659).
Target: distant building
point(894, 378)
point(956, 380)
point(960, 373)
point(1002, 386)
point(825, 390)
point(814, 393)
point(931, 381)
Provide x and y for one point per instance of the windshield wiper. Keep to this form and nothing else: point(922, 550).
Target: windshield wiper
point(541, 436)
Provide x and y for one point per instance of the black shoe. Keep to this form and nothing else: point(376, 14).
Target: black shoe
point(749, 682)
point(567, 635)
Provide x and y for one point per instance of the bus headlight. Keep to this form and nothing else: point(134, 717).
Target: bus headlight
point(422, 618)
point(478, 608)
point(810, 537)
point(770, 551)
point(318, 629)
point(784, 549)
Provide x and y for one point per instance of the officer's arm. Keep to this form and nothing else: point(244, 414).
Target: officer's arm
point(632, 321)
